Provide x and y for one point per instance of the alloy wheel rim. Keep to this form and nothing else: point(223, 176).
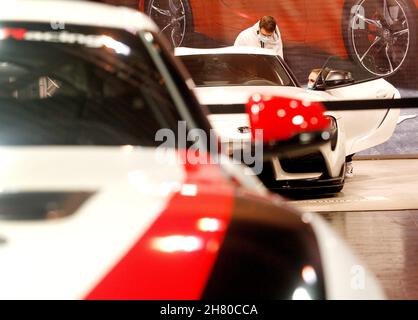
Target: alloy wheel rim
point(170, 15)
point(382, 45)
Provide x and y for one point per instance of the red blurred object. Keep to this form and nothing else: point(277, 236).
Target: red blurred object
point(15, 33)
point(282, 118)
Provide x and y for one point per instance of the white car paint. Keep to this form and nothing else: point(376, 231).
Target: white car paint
point(358, 130)
point(77, 13)
point(364, 129)
point(406, 117)
point(132, 189)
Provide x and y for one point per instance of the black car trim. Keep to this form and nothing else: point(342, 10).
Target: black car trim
point(265, 249)
point(376, 104)
point(346, 105)
point(41, 205)
point(226, 108)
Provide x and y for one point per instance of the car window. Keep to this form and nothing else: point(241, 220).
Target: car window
point(181, 77)
point(236, 70)
point(63, 93)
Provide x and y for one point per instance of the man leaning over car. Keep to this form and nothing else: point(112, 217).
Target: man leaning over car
point(264, 34)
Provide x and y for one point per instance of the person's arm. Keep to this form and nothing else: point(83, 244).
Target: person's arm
point(239, 41)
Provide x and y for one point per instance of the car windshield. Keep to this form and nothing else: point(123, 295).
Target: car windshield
point(80, 89)
point(214, 70)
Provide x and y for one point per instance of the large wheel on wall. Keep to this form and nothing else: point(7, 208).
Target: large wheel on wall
point(381, 35)
point(173, 17)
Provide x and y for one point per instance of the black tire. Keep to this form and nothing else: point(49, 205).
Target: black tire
point(174, 18)
point(381, 45)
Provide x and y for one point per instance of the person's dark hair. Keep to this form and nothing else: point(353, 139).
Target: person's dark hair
point(268, 23)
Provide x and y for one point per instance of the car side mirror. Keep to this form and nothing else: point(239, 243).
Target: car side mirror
point(331, 78)
point(287, 126)
point(336, 78)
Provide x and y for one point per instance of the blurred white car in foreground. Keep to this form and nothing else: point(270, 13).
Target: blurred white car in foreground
point(86, 209)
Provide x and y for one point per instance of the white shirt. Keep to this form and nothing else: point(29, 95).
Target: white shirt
point(249, 38)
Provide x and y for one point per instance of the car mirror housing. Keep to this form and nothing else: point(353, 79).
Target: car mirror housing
point(287, 126)
point(336, 78)
point(332, 78)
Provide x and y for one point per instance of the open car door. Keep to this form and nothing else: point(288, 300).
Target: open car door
point(363, 129)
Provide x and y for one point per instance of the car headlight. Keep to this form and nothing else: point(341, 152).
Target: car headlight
point(333, 130)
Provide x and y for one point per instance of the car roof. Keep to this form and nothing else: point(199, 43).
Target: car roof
point(185, 51)
point(77, 13)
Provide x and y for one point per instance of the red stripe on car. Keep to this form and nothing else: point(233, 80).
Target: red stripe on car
point(15, 33)
point(174, 258)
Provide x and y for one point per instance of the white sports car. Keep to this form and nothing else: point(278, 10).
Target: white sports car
point(86, 208)
point(226, 77)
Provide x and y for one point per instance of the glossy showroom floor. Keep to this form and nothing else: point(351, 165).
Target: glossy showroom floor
point(377, 213)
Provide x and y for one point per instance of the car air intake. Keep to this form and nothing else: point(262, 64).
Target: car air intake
point(313, 162)
point(40, 205)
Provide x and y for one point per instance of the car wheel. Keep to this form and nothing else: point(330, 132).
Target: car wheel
point(173, 17)
point(381, 34)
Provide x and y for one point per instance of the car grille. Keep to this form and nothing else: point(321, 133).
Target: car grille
point(313, 162)
point(226, 108)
